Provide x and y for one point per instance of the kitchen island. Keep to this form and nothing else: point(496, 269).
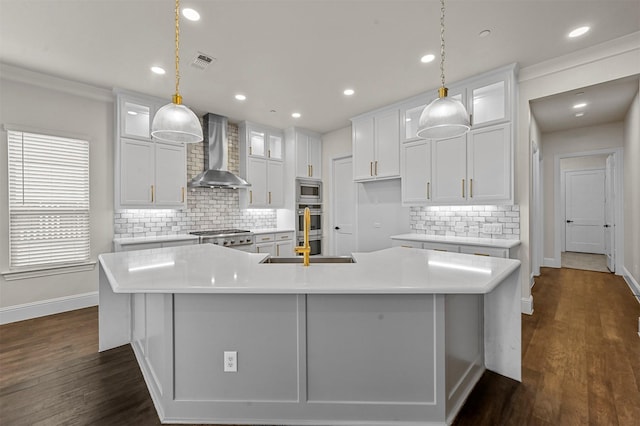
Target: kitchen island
point(401, 336)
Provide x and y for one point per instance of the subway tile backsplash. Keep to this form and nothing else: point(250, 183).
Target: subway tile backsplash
point(467, 221)
point(207, 208)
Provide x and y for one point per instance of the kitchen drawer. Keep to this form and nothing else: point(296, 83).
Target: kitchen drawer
point(265, 238)
point(179, 243)
point(140, 246)
point(485, 251)
point(441, 247)
point(405, 243)
point(284, 236)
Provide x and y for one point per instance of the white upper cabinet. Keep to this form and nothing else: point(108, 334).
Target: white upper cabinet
point(489, 164)
point(376, 145)
point(449, 170)
point(475, 168)
point(148, 174)
point(308, 153)
point(416, 172)
point(261, 164)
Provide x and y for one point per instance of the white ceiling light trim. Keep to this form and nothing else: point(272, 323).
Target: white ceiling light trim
point(349, 92)
point(427, 58)
point(579, 32)
point(191, 14)
point(444, 117)
point(241, 97)
point(175, 122)
point(296, 115)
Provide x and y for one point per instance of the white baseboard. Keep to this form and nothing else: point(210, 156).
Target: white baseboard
point(526, 305)
point(551, 262)
point(632, 283)
point(47, 307)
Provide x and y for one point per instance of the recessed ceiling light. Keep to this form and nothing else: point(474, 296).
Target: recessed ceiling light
point(579, 114)
point(241, 97)
point(578, 32)
point(158, 70)
point(349, 92)
point(407, 119)
point(296, 115)
point(580, 105)
point(427, 58)
point(190, 14)
point(484, 33)
point(132, 113)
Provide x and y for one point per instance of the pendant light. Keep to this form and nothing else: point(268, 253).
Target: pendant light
point(444, 117)
point(175, 122)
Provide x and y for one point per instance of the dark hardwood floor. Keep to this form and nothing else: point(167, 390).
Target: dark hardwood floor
point(581, 365)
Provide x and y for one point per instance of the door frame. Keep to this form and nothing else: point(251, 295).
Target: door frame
point(331, 242)
point(618, 205)
point(563, 201)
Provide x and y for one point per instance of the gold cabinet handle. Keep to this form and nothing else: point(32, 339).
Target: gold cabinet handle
point(481, 254)
point(268, 153)
point(370, 168)
point(311, 175)
point(471, 188)
point(250, 150)
point(407, 246)
point(308, 170)
point(269, 197)
point(152, 194)
point(428, 190)
point(183, 194)
point(266, 238)
point(284, 237)
point(435, 249)
point(250, 197)
point(376, 167)
point(277, 250)
point(462, 188)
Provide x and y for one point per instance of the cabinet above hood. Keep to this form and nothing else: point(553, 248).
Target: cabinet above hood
point(216, 147)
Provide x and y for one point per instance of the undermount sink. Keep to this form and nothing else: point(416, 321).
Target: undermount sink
point(312, 259)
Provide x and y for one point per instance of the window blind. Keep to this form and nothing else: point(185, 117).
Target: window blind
point(48, 200)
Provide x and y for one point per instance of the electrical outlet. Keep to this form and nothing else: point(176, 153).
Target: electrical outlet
point(492, 228)
point(230, 361)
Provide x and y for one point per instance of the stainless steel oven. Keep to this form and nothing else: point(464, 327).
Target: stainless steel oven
point(316, 220)
point(314, 242)
point(308, 191)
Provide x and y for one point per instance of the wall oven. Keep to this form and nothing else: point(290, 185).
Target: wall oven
point(315, 229)
point(314, 242)
point(308, 191)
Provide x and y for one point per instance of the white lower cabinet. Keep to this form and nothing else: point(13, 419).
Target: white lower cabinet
point(279, 244)
point(455, 248)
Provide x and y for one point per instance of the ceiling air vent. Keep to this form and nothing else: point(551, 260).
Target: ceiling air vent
point(202, 61)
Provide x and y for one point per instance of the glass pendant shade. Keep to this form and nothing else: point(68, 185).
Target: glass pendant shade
point(443, 118)
point(176, 123)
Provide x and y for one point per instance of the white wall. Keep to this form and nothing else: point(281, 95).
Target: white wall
point(380, 214)
point(597, 64)
point(74, 109)
point(632, 190)
point(582, 163)
point(566, 142)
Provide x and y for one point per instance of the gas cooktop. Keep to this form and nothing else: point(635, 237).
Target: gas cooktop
point(220, 232)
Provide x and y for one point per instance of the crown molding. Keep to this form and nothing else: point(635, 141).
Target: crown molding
point(628, 44)
point(51, 82)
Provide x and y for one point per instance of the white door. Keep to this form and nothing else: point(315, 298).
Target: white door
point(344, 207)
point(609, 221)
point(584, 211)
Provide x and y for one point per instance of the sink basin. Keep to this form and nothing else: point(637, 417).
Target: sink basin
point(313, 259)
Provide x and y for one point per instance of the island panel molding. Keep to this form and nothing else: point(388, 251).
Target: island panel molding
point(399, 337)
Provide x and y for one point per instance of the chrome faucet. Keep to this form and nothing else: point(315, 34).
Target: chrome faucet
point(305, 249)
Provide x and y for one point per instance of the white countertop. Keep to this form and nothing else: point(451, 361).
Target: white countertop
point(154, 239)
point(471, 241)
point(207, 268)
point(271, 230)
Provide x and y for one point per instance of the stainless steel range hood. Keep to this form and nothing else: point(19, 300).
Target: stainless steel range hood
point(216, 147)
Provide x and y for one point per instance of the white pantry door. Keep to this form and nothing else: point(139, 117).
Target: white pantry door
point(344, 207)
point(584, 211)
point(609, 216)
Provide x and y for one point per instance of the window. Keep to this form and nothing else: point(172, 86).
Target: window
point(48, 200)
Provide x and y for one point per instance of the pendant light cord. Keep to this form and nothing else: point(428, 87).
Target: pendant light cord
point(442, 42)
point(177, 48)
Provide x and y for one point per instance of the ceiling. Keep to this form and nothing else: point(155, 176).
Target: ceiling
point(296, 55)
point(605, 103)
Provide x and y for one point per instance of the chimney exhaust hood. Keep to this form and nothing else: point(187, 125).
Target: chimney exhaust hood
point(216, 146)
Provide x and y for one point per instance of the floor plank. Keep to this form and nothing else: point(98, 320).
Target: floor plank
point(580, 350)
